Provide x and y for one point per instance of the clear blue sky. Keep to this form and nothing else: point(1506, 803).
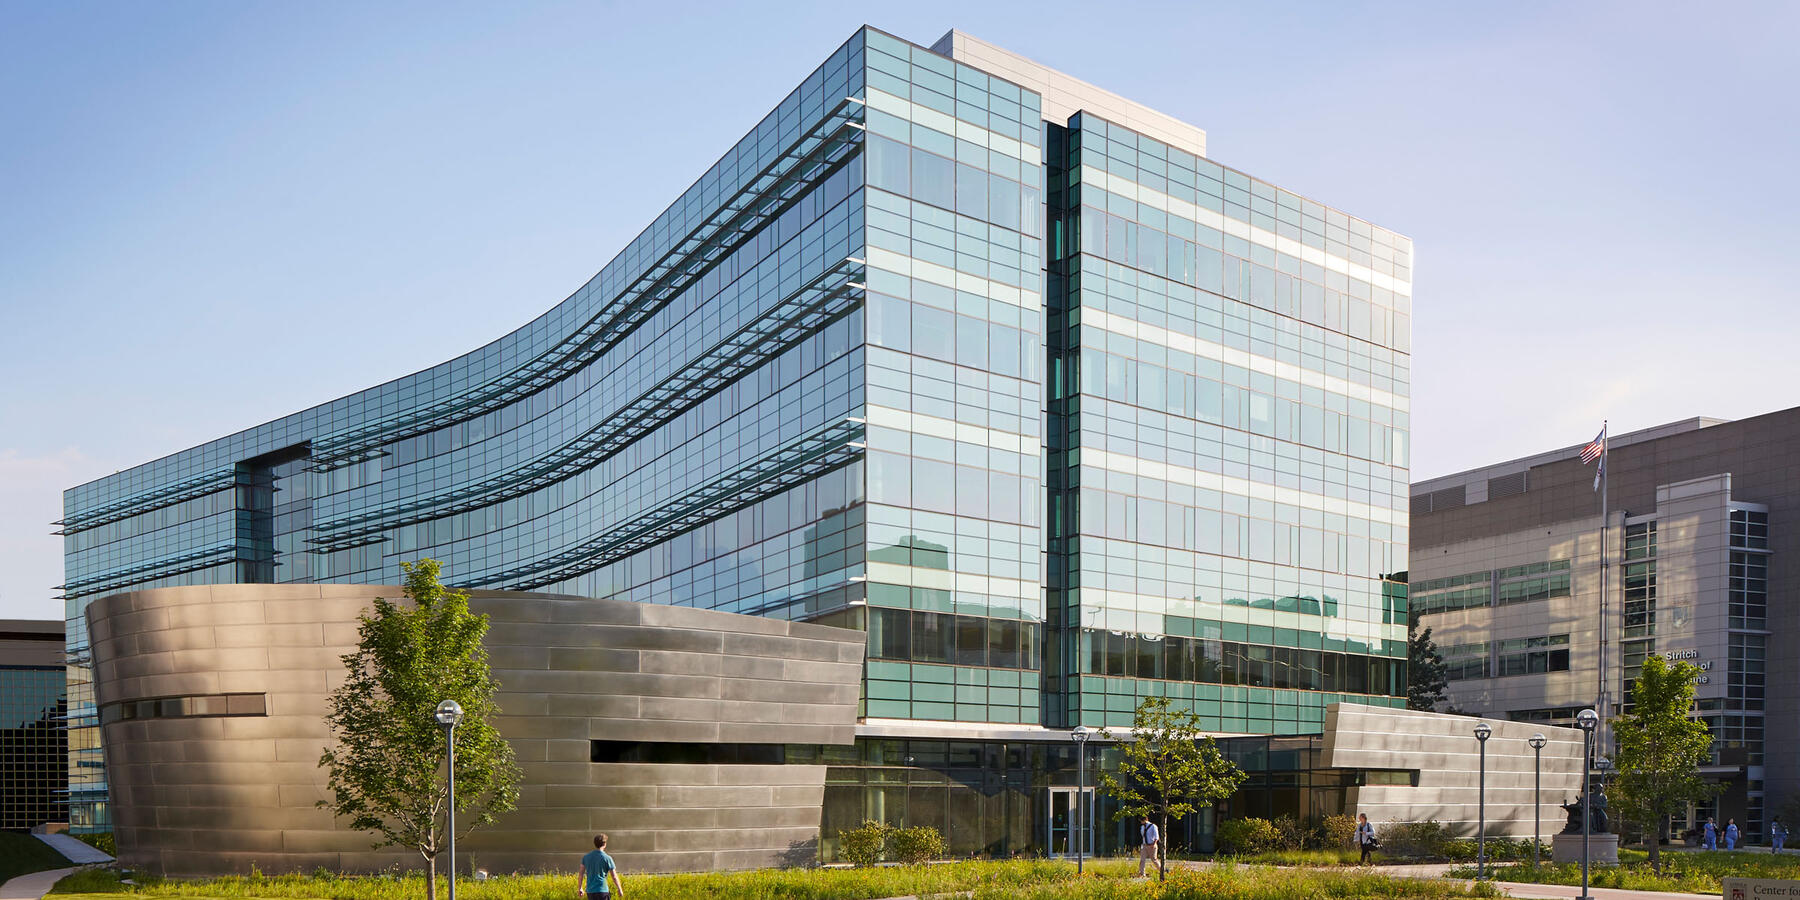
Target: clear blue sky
point(216, 213)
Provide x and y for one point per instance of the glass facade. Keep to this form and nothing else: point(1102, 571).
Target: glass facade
point(34, 750)
point(1061, 415)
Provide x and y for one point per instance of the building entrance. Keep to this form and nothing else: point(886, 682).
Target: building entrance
point(1071, 821)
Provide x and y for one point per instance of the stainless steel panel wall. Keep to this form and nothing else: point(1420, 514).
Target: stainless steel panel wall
point(218, 794)
point(1443, 749)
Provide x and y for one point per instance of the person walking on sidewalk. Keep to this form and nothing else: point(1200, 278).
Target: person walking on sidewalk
point(1151, 837)
point(1365, 836)
point(1709, 835)
point(1731, 834)
point(1777, 835)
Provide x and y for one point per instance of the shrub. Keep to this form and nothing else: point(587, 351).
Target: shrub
point(916, 845)
point(1413, 839)
point(1336, 832)
point(103, 842)
point(1247, 836)
point(861, 846)
point(1288, 833)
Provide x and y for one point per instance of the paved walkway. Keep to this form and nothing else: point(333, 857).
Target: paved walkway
point(33, 886)
point(1566, 891)
point(75, 851)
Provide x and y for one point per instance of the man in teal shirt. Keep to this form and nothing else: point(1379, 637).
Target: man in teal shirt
point(595, 867)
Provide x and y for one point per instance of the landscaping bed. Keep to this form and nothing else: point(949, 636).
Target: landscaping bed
point(1033, 879)
point(1689, 872)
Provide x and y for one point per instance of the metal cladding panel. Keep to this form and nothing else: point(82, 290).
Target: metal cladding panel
point(571, 669)
point(1443, 749)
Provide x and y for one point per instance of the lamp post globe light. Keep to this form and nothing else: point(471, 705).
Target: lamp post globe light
point(449, 714)
point(1587, 720)
point(1483, 731)
point(1077, 833)
point(1537, 743)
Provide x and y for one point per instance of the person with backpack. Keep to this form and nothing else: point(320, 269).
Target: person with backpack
point(1151, 836)
point(1777, 835)
point(1365, 837)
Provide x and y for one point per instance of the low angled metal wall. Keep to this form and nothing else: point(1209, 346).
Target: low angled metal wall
point(1443, 750)
point(214, 699)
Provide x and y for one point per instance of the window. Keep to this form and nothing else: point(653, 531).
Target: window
point(1749, 589)
point(1534, 655)
point(1640, 599)
point(1750, 529)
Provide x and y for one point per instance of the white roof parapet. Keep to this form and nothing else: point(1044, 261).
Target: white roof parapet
point(1065, 95)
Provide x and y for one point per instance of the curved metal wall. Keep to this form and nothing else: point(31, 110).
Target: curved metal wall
point(221, 771)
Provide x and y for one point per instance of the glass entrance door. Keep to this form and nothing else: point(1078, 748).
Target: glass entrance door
point(1071, 821)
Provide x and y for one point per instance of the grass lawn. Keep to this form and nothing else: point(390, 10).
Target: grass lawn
point(21, 854)
point(1696, 873)
point(1031, 879)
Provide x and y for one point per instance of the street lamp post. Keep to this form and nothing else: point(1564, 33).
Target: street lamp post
point(1537, 743)
point(1482, 732)
point(449, 714)
point(1588, 720)
point(1077, 824)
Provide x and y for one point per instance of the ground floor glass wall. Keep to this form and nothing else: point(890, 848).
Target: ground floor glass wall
point(1003, 799)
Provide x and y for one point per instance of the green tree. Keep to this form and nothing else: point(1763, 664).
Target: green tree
point(1168, 770)
point(387, 769)
point(1426, 674)
point(1660, 750)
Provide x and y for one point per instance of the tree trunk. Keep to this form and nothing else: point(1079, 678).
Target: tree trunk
point(1656, 844)
point(1162, 849)
point(431, 878)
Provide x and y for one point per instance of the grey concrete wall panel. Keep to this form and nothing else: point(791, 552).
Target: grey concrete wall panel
point(1444, 751)
point(217, 794)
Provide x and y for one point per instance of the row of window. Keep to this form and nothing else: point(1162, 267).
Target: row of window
point(1499, 659)
point(1179, 392)
point(1191, 262)
point(1205, 661)
point(185, 707)
point(930, 637)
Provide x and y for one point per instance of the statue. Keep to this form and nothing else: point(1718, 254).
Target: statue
point(1597, 823)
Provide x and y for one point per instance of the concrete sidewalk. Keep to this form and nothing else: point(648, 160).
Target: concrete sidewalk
point(75, 851)
point(1566, 891)
point(33, 886)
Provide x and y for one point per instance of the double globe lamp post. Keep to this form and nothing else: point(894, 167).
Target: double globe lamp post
point(449, 714)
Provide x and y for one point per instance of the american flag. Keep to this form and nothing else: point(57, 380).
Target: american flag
point(1594, 448)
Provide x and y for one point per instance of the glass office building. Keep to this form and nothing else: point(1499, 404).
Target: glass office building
point(951, 348)
point(34, 751)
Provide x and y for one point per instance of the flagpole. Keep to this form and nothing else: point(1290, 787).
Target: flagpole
point(1602, 709)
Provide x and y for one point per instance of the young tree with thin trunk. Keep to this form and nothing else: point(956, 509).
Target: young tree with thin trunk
point(386, 771)
point(1661, 750)
point(1169, 769)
